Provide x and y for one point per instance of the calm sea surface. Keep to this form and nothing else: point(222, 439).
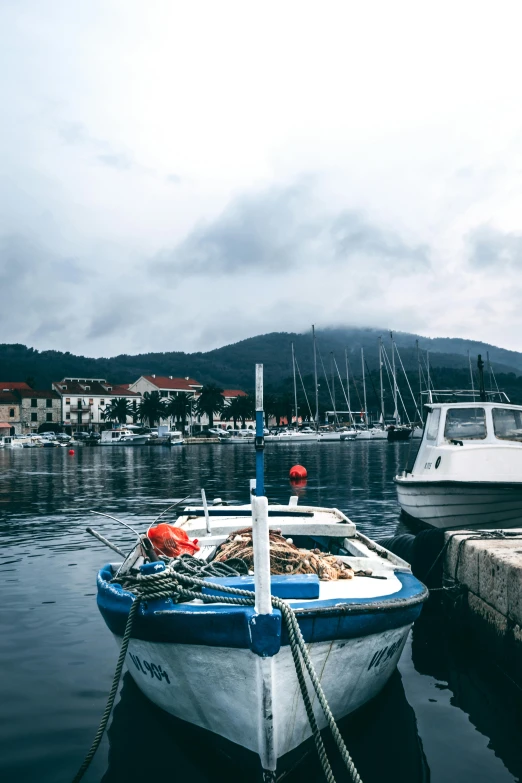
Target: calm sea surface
point(445, 715)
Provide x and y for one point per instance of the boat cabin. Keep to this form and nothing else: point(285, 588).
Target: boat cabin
point(116, 435)
point(457, 436)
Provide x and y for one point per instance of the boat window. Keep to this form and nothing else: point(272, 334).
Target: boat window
point(507, 424)
point(432, 426)
point(465, 424)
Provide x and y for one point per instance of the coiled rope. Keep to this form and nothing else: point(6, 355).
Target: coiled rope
point(177, 586)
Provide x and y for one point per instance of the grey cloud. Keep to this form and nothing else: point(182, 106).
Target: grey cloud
point(76, 134)
point(354, 235)
point(117, 161)
point(73, 133)
point(278, 230)
point(106, 324)
point(490, 248)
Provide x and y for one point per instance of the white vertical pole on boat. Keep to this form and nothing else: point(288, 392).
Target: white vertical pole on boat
point(348, 386)
point(261, 544)
point(205, 511)
point(394, 374)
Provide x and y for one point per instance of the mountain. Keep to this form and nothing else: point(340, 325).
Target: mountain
point(232, 366)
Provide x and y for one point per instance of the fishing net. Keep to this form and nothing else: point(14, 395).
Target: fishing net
point(285, 557)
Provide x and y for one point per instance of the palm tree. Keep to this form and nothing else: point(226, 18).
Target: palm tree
point(152, 408)
point(234, 410)
point(180, 406)
point(270, 406)
point(118, 410)
point(210, 401)
point(246, 408)
point(230, 412)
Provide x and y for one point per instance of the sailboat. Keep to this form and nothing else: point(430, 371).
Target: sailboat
point(372, 433)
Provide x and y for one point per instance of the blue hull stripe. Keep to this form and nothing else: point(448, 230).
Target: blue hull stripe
point(231, 626)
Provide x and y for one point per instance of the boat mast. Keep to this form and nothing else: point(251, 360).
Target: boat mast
point(419, 369)
point(364, 388)
point(336, 420)
point(295, 386)
point(380, 378)
point(471, 376)
point(315, 381)
point(394, 375)
point(348, 387)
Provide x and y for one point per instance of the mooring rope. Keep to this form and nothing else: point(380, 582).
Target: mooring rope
point(173, 584)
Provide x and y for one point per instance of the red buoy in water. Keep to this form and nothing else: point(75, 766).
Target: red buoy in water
point(71, 452)
point(298, 472)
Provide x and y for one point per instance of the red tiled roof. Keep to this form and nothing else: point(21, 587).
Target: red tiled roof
point(13, 385)
point(177, 384)
point(38, 393)
point(234, 393)
point(122, 390)
point(92, 389)
point(8, 396)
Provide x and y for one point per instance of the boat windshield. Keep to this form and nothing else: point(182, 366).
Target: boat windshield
point(507, 424)
point(432, 426)
point(465, 424)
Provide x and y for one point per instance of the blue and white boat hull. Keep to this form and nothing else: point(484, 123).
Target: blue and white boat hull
point(229, 670)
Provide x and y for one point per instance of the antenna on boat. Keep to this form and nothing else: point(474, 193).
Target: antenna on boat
point(471, 376)
point(260, 438)
point(482, 390)
point(120, 521)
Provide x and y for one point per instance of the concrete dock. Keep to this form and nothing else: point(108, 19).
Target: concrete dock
point(485, 571)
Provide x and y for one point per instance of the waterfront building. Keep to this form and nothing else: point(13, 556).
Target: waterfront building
point(9, 412)
point(166, 386)
point(39, 410)
point(84, 401)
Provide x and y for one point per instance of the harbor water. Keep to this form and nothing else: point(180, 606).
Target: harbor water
point(446, 714)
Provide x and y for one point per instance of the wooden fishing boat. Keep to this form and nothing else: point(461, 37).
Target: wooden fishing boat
point(229, 669)
point(280, 621)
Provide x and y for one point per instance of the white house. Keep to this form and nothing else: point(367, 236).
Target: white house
point(168, 385)
point(83, 400)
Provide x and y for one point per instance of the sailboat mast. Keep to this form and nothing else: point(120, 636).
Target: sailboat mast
point(395, 412)
point(315, 381)
point(348, 386)
point(333, 386)
point(420, 379)
point(380, 379)
point(364, 389)
point(295, 386)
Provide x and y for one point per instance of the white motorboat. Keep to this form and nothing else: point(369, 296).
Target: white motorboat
point(10, 442)
point(372, 433)
point(468, 470)
point(240, 436)
point(293, 436)
point(122, 437)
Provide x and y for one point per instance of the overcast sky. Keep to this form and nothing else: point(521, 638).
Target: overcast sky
point(181, 175)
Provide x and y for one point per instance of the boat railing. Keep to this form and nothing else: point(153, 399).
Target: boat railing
point(463, 395)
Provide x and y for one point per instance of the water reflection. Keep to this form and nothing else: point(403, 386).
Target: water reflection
point(170, 745)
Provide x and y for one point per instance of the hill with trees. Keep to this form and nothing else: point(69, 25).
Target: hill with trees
point(232, 366)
